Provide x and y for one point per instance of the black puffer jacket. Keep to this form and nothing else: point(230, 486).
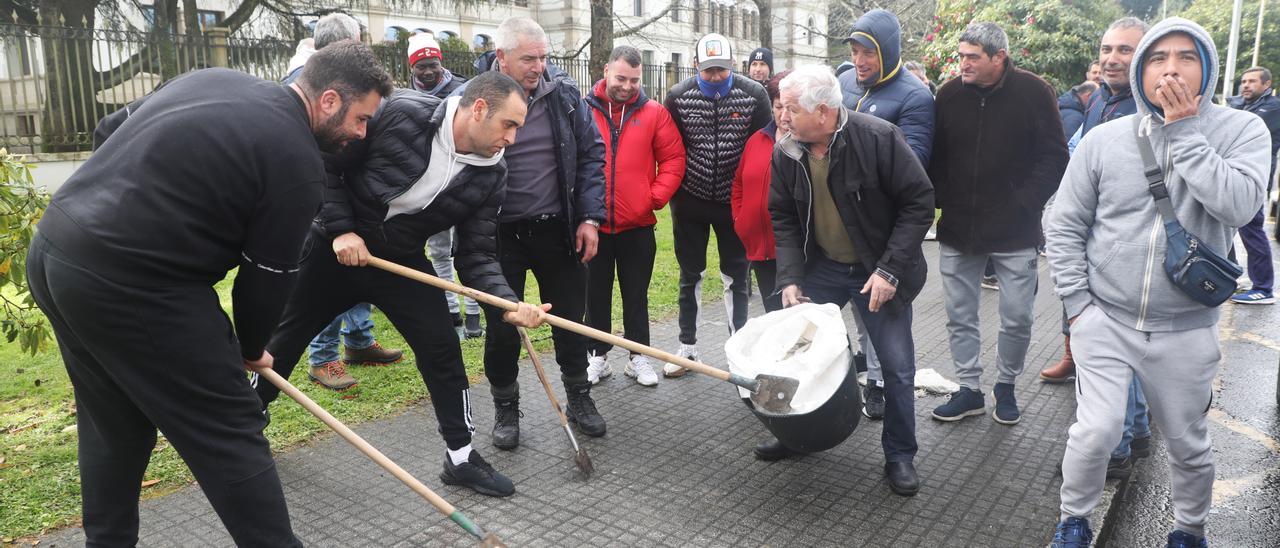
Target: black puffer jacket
point(715, 132)
point(883, 195)
point(384, 165)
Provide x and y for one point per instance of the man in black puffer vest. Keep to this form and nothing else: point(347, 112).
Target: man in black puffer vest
point(387, 205)
point(715, 112)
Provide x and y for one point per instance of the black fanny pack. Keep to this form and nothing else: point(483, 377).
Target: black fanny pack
point(1205, 276)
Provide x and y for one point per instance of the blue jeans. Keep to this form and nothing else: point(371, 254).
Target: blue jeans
point(890, 331)
point(1137, 423)
point(357, 331)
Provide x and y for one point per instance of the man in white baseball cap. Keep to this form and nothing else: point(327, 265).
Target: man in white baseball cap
point(715, 111)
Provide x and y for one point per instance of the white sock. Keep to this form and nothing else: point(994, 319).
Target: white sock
point(460, 456)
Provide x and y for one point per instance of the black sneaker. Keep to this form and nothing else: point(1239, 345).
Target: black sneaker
point(1006, 411)
point(582, 410)
point(1140, 448)
point(477, 475)
point(506, 423)
point(1119, 468)
point(873, 401)
point(472, 328)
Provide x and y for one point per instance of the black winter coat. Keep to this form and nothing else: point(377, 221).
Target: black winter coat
point(580, 149)
point(715, 132)
point(386, 163)
point(998, 155)
point(881, 191)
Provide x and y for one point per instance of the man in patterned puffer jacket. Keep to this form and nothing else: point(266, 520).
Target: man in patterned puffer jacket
point(715, 113)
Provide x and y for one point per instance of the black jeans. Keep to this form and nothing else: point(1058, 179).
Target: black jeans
point(539, 246)
point(767, 279)
point(632, 252)
point(157, 357)
point(692, 220)
point(890, 332)
point(326, 288)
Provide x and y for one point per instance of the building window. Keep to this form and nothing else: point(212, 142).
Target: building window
point(697, 15)
point(637, 7)
point(26, 124)
point(808, 33)
point(675, 13)
point(421, 30)
point(209, 19)
point(394, 33)
point(677, 60)
point(482, 42)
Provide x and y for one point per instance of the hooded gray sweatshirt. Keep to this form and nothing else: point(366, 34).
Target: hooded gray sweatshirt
point(1105, 239)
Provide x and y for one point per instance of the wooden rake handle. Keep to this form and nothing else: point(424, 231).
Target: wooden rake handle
point(555, 321)
point(370, 451)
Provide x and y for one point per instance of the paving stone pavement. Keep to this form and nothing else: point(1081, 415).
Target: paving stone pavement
point(676, 467)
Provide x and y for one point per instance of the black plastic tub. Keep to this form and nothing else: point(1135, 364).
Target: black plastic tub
point(823, 428)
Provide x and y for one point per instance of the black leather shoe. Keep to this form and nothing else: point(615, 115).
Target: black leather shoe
point(902, 478)
point(478, 475)
point(771, 450)
point(582, 410)
point(506, 423)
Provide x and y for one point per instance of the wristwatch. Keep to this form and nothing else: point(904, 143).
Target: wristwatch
point(592, 222)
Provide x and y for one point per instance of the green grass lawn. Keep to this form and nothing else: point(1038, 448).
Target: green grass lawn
point(39, 481)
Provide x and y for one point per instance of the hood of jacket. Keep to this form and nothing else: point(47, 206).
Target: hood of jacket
point(443, 120)
point(1208, 63)
point(879, 29)
point(1069, 101)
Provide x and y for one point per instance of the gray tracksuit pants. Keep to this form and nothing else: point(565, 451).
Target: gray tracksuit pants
point(440, 250)
point(1176, 370)
point(962, 288)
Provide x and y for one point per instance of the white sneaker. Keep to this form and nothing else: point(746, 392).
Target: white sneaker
point(641, 369)
point(598, 368)
point(674, 371)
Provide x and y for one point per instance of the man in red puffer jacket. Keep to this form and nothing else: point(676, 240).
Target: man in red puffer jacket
point(644, 163)
point(750, 201)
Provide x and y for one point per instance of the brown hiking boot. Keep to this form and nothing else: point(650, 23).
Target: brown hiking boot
point(332, 375)
point(1062, 371)
point(374, 355)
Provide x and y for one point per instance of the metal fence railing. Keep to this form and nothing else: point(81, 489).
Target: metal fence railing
point(56, 83)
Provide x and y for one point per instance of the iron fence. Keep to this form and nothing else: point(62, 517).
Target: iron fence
point(56, 83)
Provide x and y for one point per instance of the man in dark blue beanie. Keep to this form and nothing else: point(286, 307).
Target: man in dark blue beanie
point(760, 65)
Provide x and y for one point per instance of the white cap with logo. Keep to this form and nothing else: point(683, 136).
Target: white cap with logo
point(714, 50)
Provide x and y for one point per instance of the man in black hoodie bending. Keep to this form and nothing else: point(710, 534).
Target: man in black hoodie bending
point(217, 169)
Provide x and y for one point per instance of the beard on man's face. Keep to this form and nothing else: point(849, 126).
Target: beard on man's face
point(329, 134)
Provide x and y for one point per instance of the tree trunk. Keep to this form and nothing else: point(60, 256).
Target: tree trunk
point(766, 23)
point(71, 110)
point(601, 39)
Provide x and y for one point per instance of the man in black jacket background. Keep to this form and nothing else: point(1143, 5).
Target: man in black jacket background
point(850, 204)
point(998, 154)
point(215, 170)
point(716, 112)
point(1255, 96)
point(387, 207)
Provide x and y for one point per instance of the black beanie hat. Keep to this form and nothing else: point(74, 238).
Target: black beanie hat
point(761, 54)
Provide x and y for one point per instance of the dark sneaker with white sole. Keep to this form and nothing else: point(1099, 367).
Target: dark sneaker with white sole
point(964, 403)
point(477, 475)
point(1072, 533)
point(1006, 411)
point(873, 401)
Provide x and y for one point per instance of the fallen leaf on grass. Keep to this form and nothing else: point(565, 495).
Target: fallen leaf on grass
point(71, 428)
point(149, 483)
point(21, 447)
point(349, 397)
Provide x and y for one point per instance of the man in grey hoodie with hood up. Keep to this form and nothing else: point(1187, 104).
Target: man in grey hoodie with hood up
point(1106, 245)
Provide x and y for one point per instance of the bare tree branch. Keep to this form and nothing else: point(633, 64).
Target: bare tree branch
point(635, 29)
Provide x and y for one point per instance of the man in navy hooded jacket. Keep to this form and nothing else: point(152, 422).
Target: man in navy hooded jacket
point(879, 85)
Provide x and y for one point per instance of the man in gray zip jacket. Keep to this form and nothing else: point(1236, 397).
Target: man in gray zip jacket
point(1106, 246)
